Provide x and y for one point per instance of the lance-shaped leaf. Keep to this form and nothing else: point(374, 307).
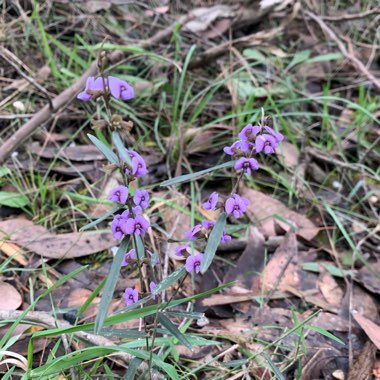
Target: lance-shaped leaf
point(103, 217)
point(139, 246)
point(191, 176)
point(110, 285)
point(107, 152)
point(118, 142)
point(213, 242)
point(170, 280)
point(173, 329)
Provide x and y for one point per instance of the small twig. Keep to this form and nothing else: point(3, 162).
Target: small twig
point(4, 55)
point(350, 56)
point(354, 16)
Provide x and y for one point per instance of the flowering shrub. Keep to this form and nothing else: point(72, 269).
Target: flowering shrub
point(130, 222)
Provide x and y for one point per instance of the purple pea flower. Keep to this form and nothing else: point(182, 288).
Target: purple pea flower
point(119, 194)
point(181, 248)
point(131, 296)
point(192, 234)
point(239, 146)
point(225, 237)
point(138, 165)
point(236, 205)
point(137, 210)
point(137, 225)
point(249, 132)
point(120, 89)
point(247, 164)
point(125, 214)
point(92, 84)
point(141, 198)
point(266, 143)
point(128, 257)
point(278, 136)
point(117, 226)
point(208, 224)
point(152, 287)
point(193, 263)
point(210, 204)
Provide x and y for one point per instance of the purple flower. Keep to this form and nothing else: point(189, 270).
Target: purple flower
point(208, 224)
point(119, 194)
point(181, 248)
point(137, 210)
point(141, 198)
point(128, 257)
point(137, 225)
point(120, 89)
point(152, 287)
point(266, 143)
point(125, 214)
point(193, 263)
point(138, 165)
point(278, 136)
point(236, 205)
point(117, 226)
point(225, 237)
point(237, 147)
point(131, 296)
point(192, 234)
point(249, 132)
point(247, 164)
point(210, 204)
point(92, 84)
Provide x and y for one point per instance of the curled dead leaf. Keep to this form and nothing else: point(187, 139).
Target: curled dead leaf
point(10, 298)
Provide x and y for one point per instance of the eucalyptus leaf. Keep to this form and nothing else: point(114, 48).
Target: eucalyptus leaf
point(191, 176)
point(213, 242)
point(173, 329)
point(110, 285)
point(101, 219)
point(107, 152)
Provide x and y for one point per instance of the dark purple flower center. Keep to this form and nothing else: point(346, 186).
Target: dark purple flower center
point(118, 193)
point(246, 164)
point(236, 207)
point(197, 264)
point(267, 143)
point(138, 226)
point(139, 166)
point(131, 297)
point(143, 198)
point(118, 229)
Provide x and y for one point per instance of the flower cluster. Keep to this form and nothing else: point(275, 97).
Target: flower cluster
point(100, 86)
point(253, 139)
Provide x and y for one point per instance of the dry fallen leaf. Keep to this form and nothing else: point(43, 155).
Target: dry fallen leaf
point(362, 367)
point(35, 238)
point(10, 298)
point(371, 329)
point(264, 208)
point(288, 154)
point(329, 288)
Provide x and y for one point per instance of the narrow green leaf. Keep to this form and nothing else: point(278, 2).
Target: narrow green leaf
point(110, 285)
point(124, 333)
point(274, 368)
point(7, 375)
point(191, 176)
point(170, 280)
point(118, 142)
point(326, 57)
point(299, 58)
point(173, 329)
point(11, 199)
point(139, 246)
point(132, 368)
point(107, 152)
point(325, 333)
point(92, 296)
point(103, 217)
point(213, 242)
point(186, 314)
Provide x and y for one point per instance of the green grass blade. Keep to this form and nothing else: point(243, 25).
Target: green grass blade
point(173, 329)
point(191, 176)
point(99, 220)
point(110, 285)
point(213, 242)
point(274, 368)
point(132, 368)
point(11, 199)
point(325, 333)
